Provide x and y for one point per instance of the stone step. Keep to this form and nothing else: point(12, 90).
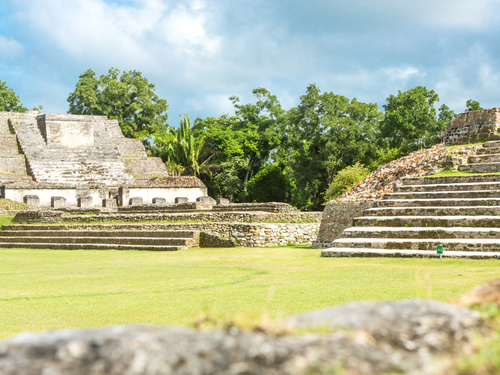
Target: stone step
point(48, 231)
point(480, 168)
point(491, 144)
point(488, 158)
point(438, 203)
point(483, 186)
point(140, 241)
point(434, 211)
point(463, 195)
point(455, 244)
point(421, 233)
point(428, 221)
point(488, 150)
point(375, 253)
point(447, 180)
point(93, 246)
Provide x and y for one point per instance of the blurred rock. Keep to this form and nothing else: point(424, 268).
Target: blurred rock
point(365, 338)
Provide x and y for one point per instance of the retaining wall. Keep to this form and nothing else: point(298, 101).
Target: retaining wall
point(338, 216)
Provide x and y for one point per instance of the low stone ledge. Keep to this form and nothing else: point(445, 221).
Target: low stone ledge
point(241, 234)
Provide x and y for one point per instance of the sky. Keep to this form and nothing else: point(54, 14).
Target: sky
point(199, 53)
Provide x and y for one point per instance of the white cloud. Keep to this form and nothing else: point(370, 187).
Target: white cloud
point(143, 35)
point(10, 48)
point(401, 73)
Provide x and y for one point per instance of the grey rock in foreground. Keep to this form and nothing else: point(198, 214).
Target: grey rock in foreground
point(366, 337)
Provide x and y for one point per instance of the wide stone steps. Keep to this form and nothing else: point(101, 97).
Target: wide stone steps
point(480, 168)
point(10, 231)
point(488, 158)
point(435, 195)
point(430, 188)
point(422, 233)
point(488, 150)
point(434, 211)
point(448, 180)
point(61, 237)
point(80, 246)
point(405, 253)
point(461, 213)
point(455, 244)
point(428, 221)
point(450, 202)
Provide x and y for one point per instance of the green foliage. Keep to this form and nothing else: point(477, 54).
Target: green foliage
point(472, 105)
point(326, 133)
point(128, 98)
point(345, 180)
point(184, 149)
point(411, 121)
point(269, 185)
point(243, 143)
point(9, 101)
point(385, 156)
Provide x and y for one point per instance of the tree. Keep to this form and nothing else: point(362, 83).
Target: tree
point(9, 101)
point(243, 143)
point(269, 185)
point(128, 98)
point(325, 133)
point(411, 120)
point(345, 180)
point(183, 150)
point(472, 105)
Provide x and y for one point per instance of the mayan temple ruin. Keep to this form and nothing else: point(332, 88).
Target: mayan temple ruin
point(54, 160)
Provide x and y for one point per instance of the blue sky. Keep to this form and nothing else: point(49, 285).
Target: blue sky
point(198, 52)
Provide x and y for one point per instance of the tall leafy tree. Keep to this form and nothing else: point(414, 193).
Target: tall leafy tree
point(9, 100)
point(411, 120)
point(127, 97)
point(325, 133)
point(245, 142)
point(472, 105)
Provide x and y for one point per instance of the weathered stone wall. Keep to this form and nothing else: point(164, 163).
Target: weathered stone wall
point(276, 207)
point(234, 217)
point(338, 216)
point(472, 127)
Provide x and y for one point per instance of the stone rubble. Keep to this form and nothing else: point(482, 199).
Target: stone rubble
point(417, 164)
point(415, 337)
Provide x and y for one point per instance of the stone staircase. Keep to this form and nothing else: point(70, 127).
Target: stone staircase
point(99, 237)
point(461, 213)
point(487, 159)
point(99, 163)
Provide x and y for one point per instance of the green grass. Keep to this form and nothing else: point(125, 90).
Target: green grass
point(48, 289)
point(466, 145)
point(5, 220)
point(457, 173)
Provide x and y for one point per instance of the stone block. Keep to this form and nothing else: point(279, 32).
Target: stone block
point(223, 201)
point(206, 200)
point(109, 203)
point(57, 202)
point(159, 201)
point(135, 201)
point(85, 201)
point(179, 200)
point(32, 200)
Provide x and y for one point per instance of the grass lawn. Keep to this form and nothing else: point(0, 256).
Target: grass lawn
point(49, 289)
point(457, 173)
